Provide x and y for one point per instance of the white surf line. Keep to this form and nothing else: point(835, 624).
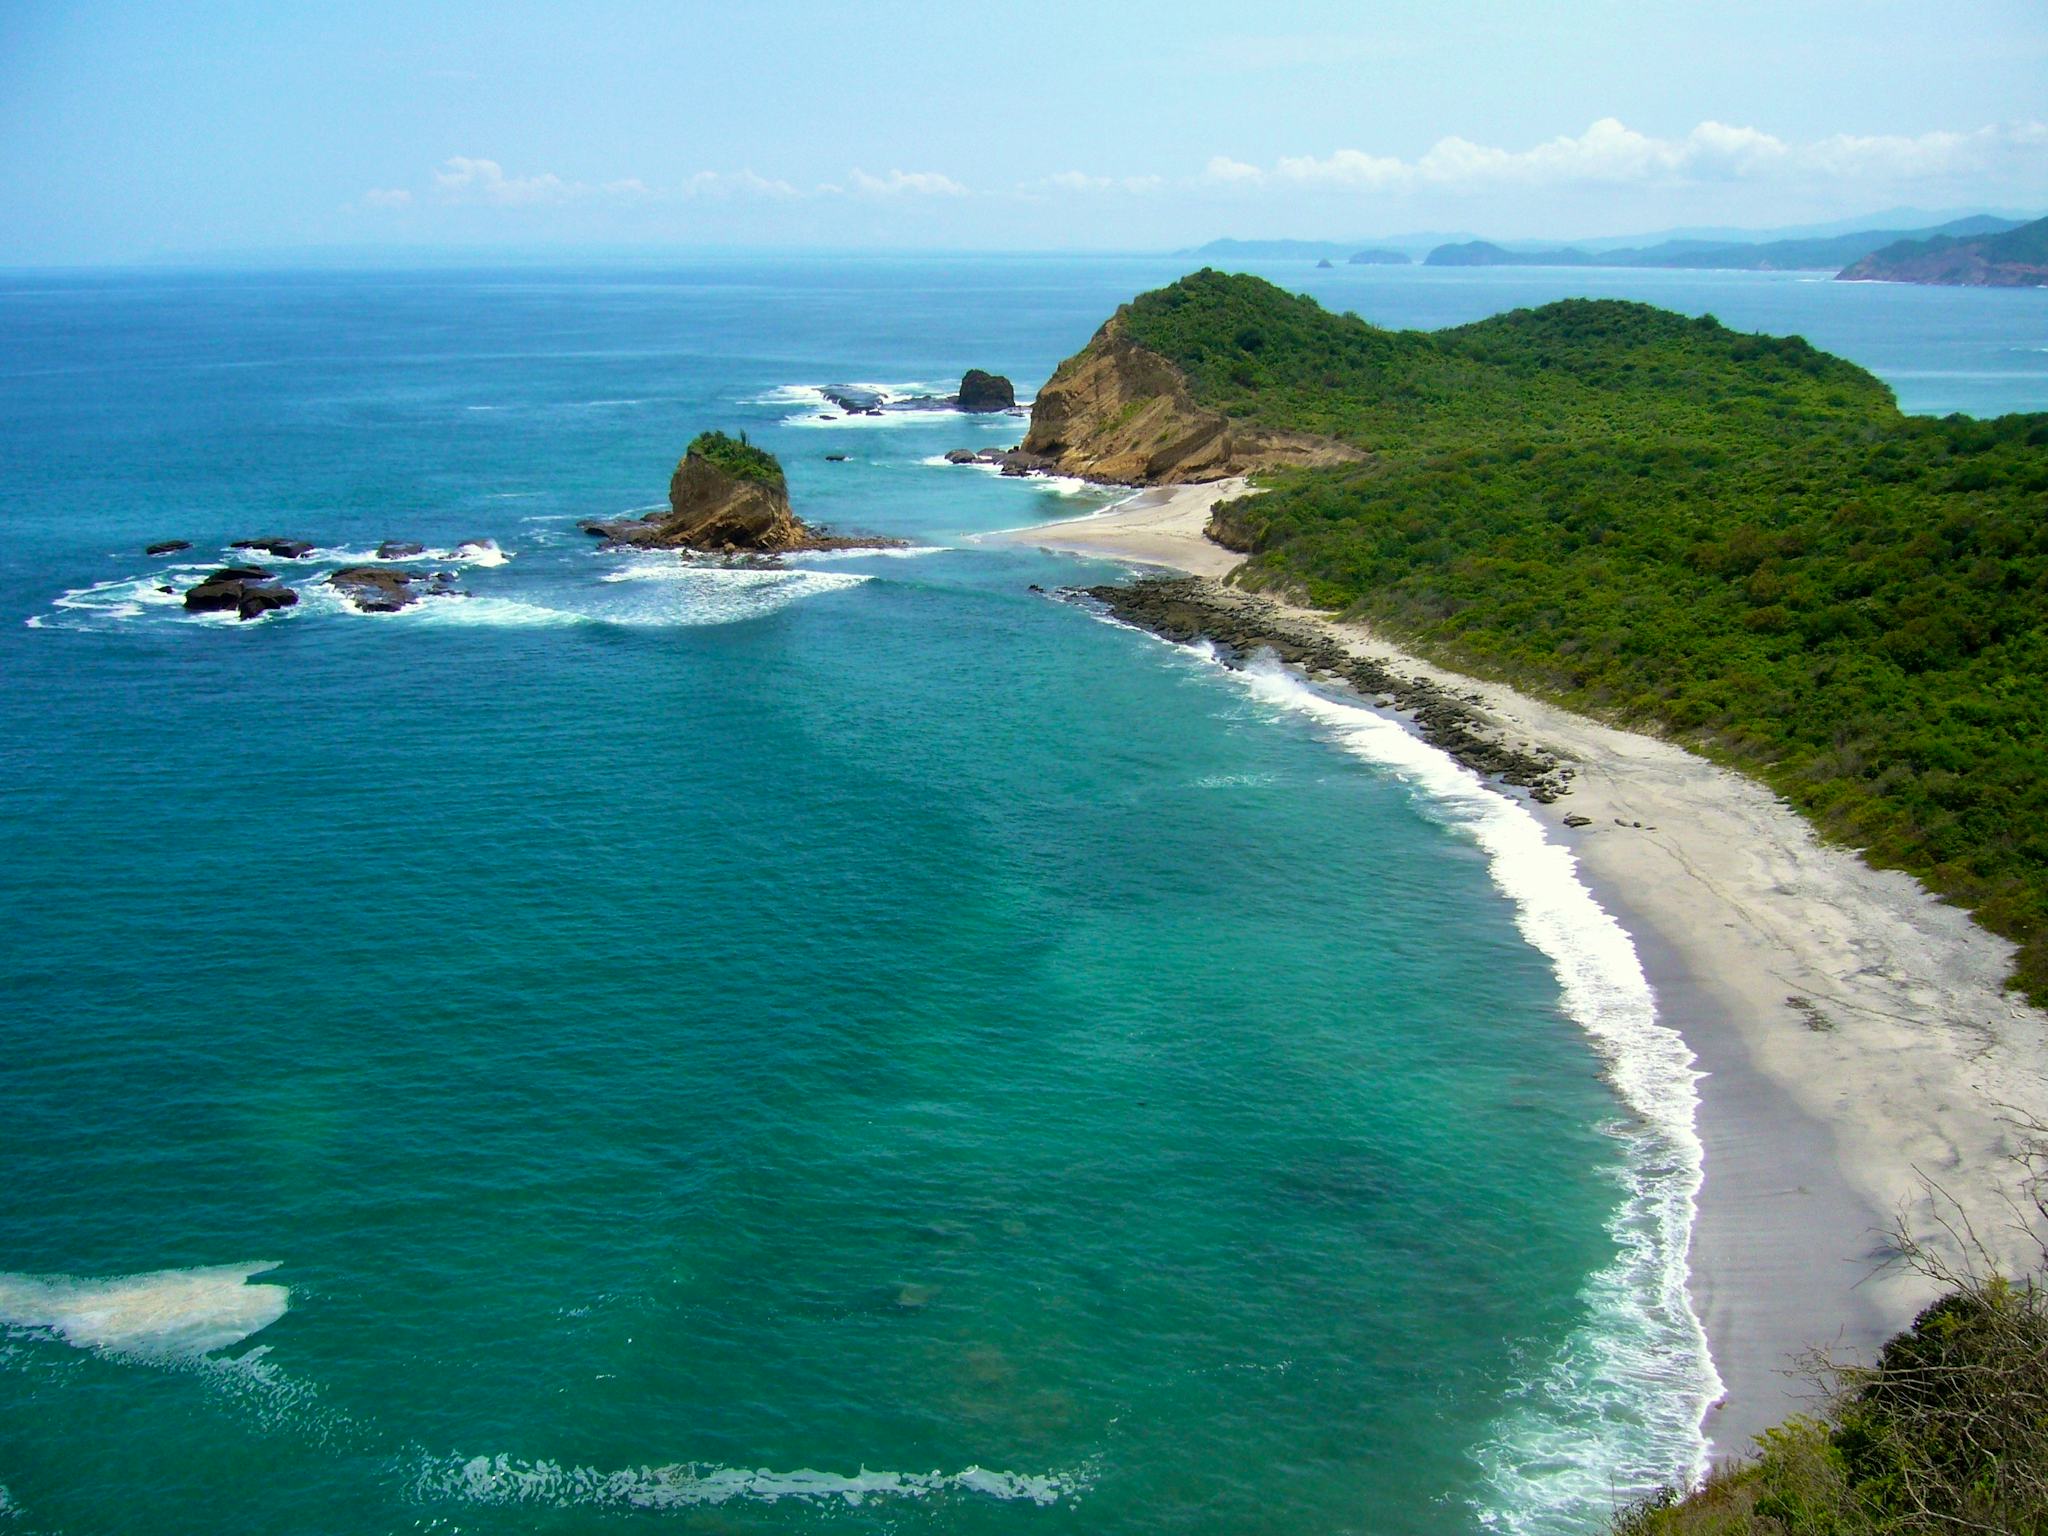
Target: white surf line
point(1622, 1407)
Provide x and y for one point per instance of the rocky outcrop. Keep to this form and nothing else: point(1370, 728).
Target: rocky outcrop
point(1241, 624)
point(982, 392)
point(397, 549)
point(379, 588)
point(2014, 257)
point(716, 508)
point(247, 591)
point(167, 547)
point(283, 549)
point(1117, 412)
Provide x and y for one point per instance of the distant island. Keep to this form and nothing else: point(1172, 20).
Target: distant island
point(1972, 250)
point(2013, 258)
point(1830, 252)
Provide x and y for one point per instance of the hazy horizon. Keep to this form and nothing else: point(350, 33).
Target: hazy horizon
point(140, 132)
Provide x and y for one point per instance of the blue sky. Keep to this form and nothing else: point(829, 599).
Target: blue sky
point(145, 130)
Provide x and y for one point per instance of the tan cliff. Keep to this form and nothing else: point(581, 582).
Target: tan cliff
point(1115, 411)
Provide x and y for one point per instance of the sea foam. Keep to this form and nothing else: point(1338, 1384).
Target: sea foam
point(1618, 1409)
point(509, 1480)
point(166, 1314)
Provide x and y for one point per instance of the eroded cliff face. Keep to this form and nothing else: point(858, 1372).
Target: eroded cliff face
point(711, 509)
point(1117, 412)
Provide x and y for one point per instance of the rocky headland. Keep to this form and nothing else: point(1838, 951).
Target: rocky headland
point(1120, 414)
point(2013, 258)
point(726, 497)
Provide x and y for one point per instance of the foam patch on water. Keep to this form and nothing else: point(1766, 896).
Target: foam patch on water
point(1618, 1410)
point(167, 1314)
point(688, 592)
point(1059, 485)
point(813, 409)
point(508, 1480)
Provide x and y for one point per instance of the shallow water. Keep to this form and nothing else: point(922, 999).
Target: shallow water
point(856, 1041)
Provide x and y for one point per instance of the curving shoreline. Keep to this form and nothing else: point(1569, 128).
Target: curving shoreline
point(1861, 1055)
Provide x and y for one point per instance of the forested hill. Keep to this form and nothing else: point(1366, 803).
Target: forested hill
point(1737, 539)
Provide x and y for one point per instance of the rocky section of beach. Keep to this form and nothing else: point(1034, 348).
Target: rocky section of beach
point(1120, 413)
point(1240, 625)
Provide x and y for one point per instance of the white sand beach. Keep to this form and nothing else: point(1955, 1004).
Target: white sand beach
point(1863, 1062)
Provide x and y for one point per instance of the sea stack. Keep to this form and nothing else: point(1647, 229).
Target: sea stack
point(726, 497)
point(984, 392)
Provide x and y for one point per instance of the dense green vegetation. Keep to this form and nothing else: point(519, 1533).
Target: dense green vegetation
point(2025, 246)
point(737, 457)
point(1738, 539)
point(1948, 1431)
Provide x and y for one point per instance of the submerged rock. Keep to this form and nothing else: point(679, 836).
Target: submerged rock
point(167, 547)
point(396, 549)
point(376, 588)
point(982, 392)
point(284, 549)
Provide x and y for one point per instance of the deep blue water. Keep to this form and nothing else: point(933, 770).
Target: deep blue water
point(852, 1043)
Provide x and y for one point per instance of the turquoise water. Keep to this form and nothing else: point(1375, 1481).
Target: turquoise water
point(854, 1044)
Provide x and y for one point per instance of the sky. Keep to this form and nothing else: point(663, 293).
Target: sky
point(137, 132)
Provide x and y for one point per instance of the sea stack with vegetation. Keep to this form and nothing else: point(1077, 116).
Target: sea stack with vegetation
point(727, 496)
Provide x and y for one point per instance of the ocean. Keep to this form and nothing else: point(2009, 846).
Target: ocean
point(853, 1041)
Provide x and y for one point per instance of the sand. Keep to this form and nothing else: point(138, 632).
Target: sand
point(1885, 1094)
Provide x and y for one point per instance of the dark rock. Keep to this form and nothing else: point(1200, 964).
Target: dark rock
point(715, 510)
point(982, 392)
point(168, 547)
point(1240, 624)
point(241, 590)
point(394, 549)
point(835, 458)
point(169, 591)
point(1578, 821)
point(963, 456)
point(376, 588)
point(284, 549)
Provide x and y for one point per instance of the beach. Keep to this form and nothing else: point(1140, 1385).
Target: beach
point(1863, 1067)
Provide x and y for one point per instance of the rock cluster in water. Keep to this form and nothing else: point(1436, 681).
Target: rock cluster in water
point(1240, 624)
point(247, 591)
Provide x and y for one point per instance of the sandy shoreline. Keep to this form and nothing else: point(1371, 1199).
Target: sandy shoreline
point(1825, 1119)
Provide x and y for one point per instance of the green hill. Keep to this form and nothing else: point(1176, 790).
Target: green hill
point(2017, 258)
point(1736, 539)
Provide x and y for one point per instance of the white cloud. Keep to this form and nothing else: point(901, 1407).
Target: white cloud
point(387, 197)
point(1081, 182)
point(467, 179)
point(737, 184)
point(485, 181)
point(1225, 171)
point(1610, 153)
point(1346, 168)
point(907, 183)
